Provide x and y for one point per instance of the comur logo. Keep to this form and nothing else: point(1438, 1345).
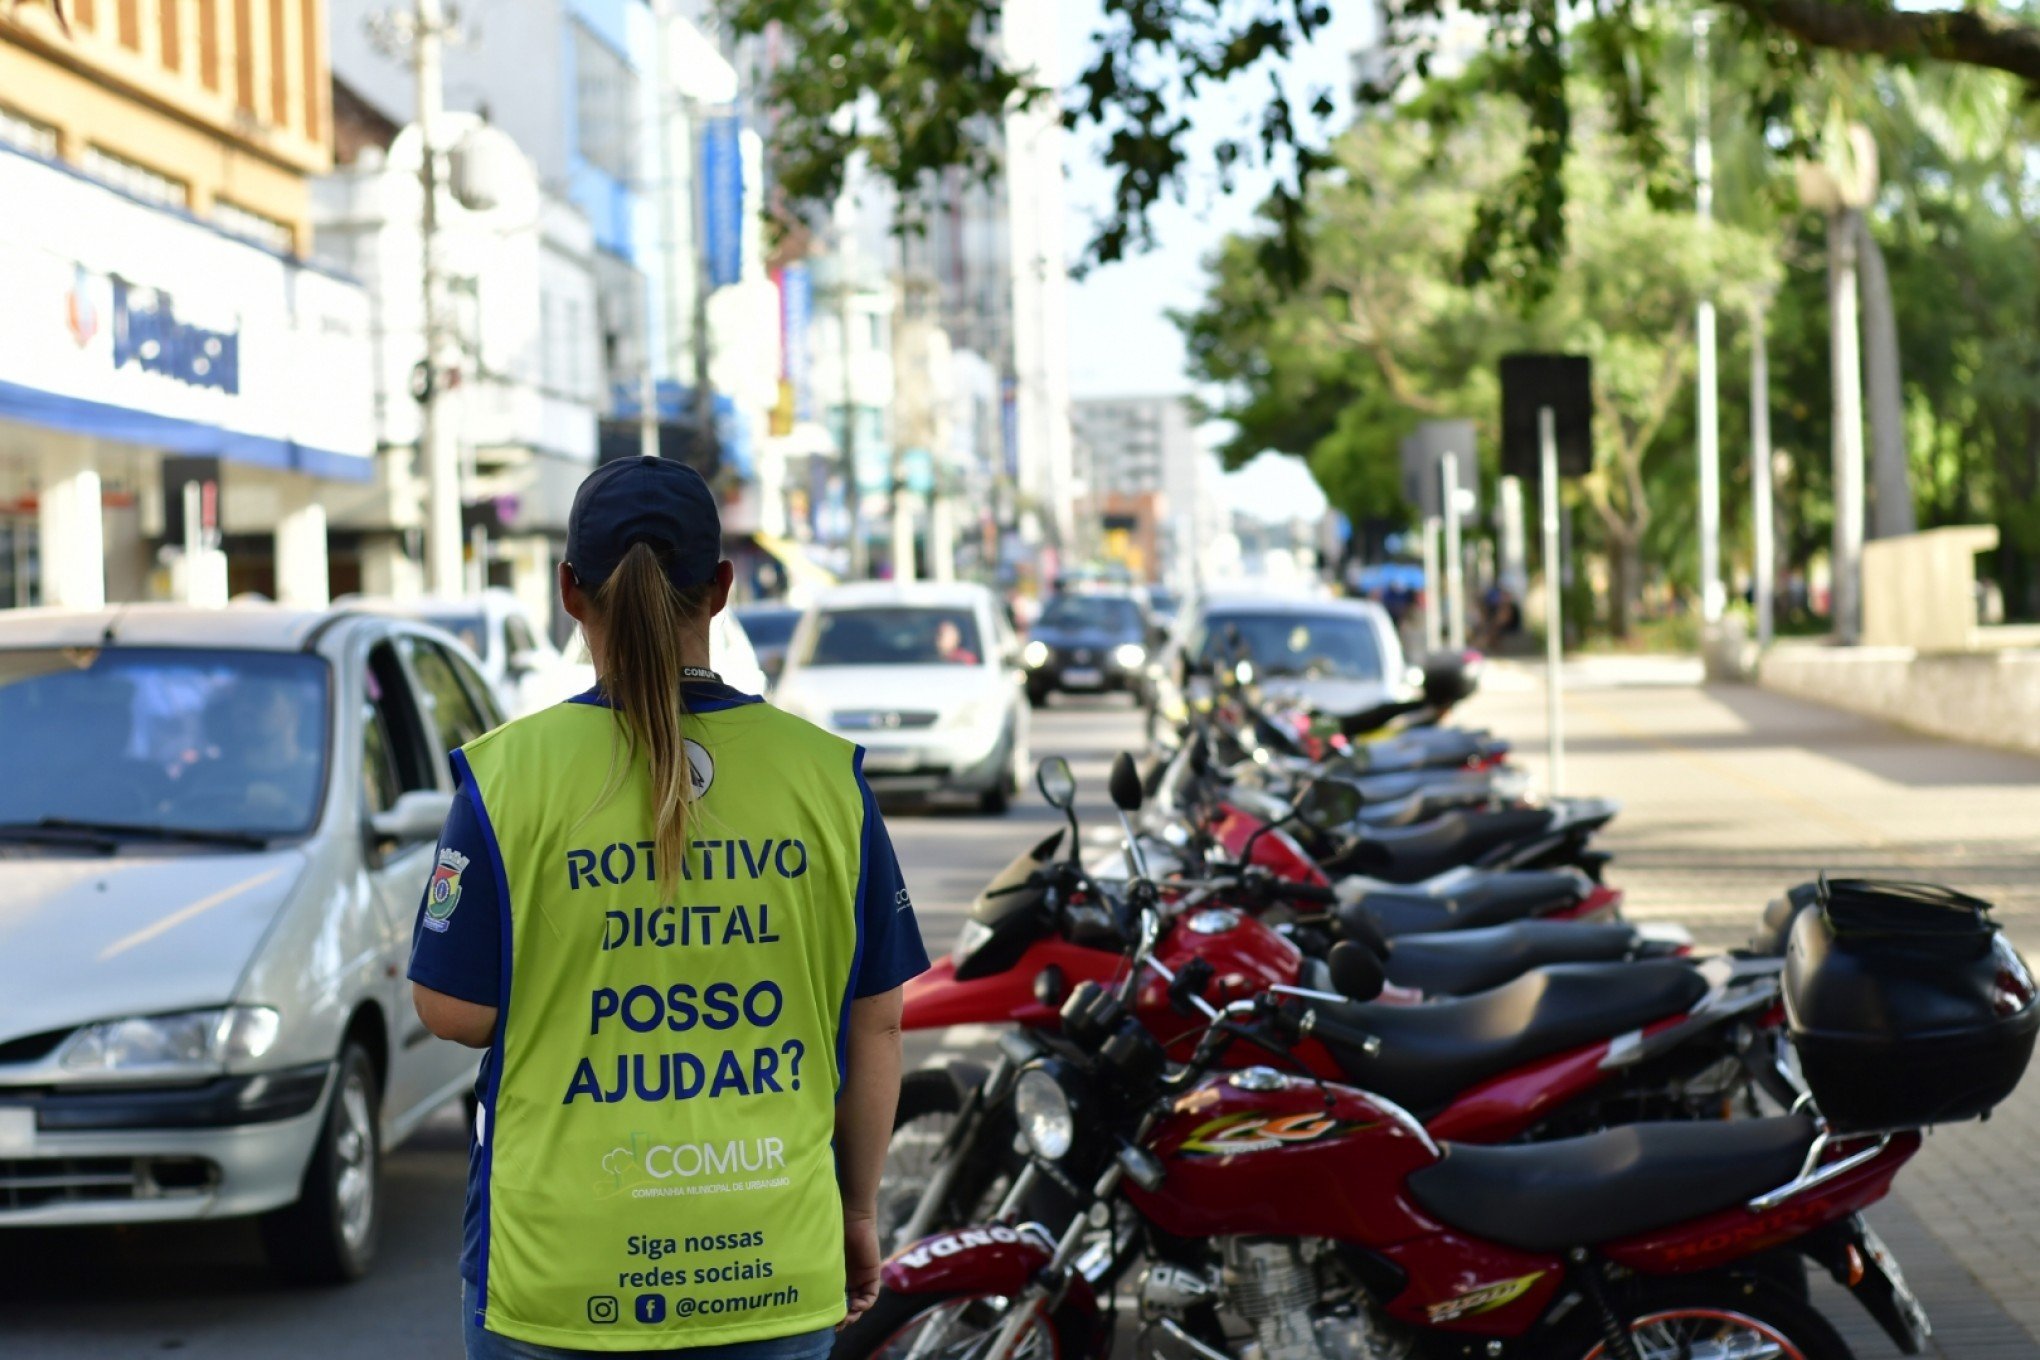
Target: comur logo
point(948, 1244)
point(1483, 1298)
point(636, 1165)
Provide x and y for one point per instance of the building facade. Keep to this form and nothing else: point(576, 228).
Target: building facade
point(162, 327)
point(521, 273)
point(1145, 477)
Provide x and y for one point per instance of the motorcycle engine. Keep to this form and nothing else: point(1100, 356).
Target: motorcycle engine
point(1278, 1287)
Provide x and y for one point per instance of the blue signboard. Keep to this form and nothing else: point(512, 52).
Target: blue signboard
point(722, 181)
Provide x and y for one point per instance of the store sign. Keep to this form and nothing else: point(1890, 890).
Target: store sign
point(722, 181)
point(146, 332)
point(136, 325)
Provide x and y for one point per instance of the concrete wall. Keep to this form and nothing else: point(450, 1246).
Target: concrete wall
point(1991, 698)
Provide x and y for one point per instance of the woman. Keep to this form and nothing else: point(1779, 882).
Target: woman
point(673, 917)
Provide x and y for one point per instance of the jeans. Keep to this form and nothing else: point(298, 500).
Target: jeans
point(486, 1345)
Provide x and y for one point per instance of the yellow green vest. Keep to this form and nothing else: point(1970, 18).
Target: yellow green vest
point(657, 1164)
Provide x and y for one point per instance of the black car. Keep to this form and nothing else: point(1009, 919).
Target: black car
point(770, 628)
point(1088, 644)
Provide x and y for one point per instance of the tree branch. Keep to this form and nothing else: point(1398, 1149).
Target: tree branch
point(1967, 36)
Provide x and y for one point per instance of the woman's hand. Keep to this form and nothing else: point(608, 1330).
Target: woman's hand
point(860, 1263)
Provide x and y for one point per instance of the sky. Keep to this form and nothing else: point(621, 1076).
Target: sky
point(1121, 339)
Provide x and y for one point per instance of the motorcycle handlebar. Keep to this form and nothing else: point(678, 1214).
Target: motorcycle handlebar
point(1314, 1023)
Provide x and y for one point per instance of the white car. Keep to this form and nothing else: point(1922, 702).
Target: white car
point(925, 676)
point(514, 648)
point(729, 654)
point(214, 838)
point(527, 670)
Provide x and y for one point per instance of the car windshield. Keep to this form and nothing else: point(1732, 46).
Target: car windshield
point(163, 739)
point(768, 627)
point(471, 629)
point(1091, 614)
point(1314, 646)
point(900, 635)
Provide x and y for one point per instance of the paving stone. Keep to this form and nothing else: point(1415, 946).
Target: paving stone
point(1731, 794)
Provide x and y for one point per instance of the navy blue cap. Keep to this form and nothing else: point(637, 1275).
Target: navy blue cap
point(656, 501)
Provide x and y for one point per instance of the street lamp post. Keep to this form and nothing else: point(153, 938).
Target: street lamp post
point(443, 545)
point(1712, 596)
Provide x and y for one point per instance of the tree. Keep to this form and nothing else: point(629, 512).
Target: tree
point(917, 87)
point(1377, 337)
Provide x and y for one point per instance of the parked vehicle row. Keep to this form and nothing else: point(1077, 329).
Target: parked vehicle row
point(1285, 1077)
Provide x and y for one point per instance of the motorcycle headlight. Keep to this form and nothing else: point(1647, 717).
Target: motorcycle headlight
point(1035, 654)
point(185, 1044)
point(1129, 655)
point(1043, 1112)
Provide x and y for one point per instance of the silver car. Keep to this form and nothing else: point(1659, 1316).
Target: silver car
point(215, 829)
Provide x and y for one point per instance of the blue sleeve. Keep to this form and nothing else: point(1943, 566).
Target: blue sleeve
point(892, 951)
point(457, 946)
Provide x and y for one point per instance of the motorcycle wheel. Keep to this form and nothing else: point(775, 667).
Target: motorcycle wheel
point(929, 1105)
point(949, 1327)
point(1721, 1317)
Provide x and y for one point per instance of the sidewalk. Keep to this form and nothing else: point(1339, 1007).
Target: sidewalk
point(1730, 794)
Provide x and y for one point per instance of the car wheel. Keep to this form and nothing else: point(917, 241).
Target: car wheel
point(328, 1236)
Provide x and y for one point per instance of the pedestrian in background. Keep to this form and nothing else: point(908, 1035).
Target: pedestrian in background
point(672, 916)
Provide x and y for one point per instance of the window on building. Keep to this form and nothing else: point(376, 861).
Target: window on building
point(254, 226)
point(136, 179)
point(25, 133)
point(605, 102)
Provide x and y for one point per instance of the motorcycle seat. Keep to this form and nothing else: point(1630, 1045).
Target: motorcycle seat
point(1431, 1054)
point(1579, 1192)
point(1412, 854)
point(1497, 899)
point(1433, 748)
point(1462, 962)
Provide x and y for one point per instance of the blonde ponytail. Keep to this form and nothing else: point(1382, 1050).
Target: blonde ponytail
point(643, 616)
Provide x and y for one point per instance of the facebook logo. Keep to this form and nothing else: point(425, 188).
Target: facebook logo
point(651, 1308)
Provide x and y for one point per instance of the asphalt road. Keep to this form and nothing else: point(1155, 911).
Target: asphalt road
point(204, 1291)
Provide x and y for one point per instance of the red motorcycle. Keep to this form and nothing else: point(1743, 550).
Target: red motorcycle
point(1557, 1050)
point(1272, 1214)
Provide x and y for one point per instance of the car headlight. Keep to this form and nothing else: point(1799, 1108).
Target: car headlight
point(1035, 654)
point(187, 1043)
point(1129, 655)
point(1043, 1112)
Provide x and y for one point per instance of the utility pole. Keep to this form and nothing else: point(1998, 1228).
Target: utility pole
point(435, 438)
point(848, 407)
point(1846, 360)
point(1712, 596)
point(704, 395)
point(1763, 585)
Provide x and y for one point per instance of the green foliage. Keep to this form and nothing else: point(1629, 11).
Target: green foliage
point(1379, 337)
point(918, 88)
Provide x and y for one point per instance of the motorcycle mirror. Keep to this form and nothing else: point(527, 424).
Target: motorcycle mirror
point(1327, 804)
point(1057, 784)
point(1125, 785)
point(1356, 972)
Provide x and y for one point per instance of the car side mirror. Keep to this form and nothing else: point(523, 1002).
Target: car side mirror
point(415, 816)
point(1057, 784)
point(1125, 786)
point(523, 663)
